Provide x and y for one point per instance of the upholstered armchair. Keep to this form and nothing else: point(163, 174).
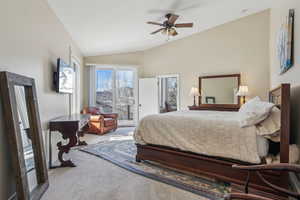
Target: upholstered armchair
point(100, 123)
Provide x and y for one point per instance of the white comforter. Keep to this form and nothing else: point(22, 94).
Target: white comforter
point(205, 132)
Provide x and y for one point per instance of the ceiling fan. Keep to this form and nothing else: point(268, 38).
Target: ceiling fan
point(169, 26)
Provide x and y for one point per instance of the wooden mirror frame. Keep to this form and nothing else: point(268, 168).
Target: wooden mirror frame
point(219, 107)
point(8, 81)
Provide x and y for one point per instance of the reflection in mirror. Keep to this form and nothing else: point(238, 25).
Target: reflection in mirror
point(221, 90)
point(168, 93)
point(26, 137)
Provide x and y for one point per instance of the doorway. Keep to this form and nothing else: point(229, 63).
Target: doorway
point(148, 97)
point(158, 95)
point(168, 93)
point(75, 97)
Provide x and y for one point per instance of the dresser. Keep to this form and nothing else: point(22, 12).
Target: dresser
point(216, 107)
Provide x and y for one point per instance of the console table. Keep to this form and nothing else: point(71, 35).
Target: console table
point(70, 127)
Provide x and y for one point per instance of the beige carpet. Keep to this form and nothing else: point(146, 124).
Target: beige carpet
point(97, 179)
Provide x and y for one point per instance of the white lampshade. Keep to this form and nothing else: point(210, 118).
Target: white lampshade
point(243, 91)
point(194, 92)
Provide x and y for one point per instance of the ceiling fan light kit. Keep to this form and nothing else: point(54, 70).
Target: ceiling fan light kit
point(169, 26)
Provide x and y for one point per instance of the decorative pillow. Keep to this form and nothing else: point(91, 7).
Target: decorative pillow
point(271, 124)
point(254, 112)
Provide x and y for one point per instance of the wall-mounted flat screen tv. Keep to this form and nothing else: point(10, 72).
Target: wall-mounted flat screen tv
point(65, 76)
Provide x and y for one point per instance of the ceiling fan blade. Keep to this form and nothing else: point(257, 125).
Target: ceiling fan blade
point(173, 18)
point(157, 31)
point(184, 25)
point(155, 23)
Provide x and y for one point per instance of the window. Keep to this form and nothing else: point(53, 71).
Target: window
point(115, 91)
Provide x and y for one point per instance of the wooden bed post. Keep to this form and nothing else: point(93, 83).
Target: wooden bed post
point(281, 97)
point(285, 123)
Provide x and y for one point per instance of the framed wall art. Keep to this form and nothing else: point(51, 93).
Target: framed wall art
point(285, 43)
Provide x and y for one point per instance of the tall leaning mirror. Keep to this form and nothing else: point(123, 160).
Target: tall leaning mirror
point(23, 127)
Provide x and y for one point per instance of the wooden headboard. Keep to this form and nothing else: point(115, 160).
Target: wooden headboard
point(281, 97)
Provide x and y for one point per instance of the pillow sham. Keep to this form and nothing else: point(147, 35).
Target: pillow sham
point(254, 112)
point(271, 125)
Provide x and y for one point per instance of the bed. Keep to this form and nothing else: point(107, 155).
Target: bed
point(213, 133)
point(200, 159)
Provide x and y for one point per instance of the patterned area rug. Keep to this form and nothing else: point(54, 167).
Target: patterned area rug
point(121, 150)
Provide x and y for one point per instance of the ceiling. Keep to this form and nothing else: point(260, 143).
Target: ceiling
point(101, 27)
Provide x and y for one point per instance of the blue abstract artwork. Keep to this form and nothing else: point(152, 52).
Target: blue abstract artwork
point(285, 40)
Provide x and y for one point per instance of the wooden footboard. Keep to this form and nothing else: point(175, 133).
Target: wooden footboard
point(211, 167)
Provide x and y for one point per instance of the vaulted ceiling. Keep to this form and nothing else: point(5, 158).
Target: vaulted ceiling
point(116, 26)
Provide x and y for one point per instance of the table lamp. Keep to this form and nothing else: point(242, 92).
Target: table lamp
point(195, 93)
point(243, 92)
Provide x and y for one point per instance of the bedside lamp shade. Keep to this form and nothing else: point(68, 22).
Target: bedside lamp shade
point(243, 92)
point(194, 93)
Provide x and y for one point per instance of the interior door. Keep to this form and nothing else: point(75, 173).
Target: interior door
point(148, 97)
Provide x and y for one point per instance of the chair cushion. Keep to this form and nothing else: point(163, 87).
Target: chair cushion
point(110, 115)
point(109, 122)
point(94, 111)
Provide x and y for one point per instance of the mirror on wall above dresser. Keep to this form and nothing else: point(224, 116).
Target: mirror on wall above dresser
point(218, 92)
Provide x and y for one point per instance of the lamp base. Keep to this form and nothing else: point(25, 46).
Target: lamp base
point(243, 99)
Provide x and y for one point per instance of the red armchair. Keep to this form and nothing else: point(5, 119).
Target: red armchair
point(100, 123)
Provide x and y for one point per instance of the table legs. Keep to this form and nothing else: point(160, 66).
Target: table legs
point(64, 149)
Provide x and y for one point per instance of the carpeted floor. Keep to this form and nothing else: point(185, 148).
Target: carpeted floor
point(121, 150)
point(97, 179)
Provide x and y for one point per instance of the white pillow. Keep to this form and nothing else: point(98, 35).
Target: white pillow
point(254, 112)
point(271, 125)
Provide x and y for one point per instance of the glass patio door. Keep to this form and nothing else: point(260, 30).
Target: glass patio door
point(116, 92)
point(104, 90)
point(125, 97)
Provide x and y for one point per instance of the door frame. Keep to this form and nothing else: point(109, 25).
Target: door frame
point(114, 67)
point(76, 95)
point(178, 87)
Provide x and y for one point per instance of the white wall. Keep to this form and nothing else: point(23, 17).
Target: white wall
point(278, 14)
point(31, 39)
point(241, 46)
